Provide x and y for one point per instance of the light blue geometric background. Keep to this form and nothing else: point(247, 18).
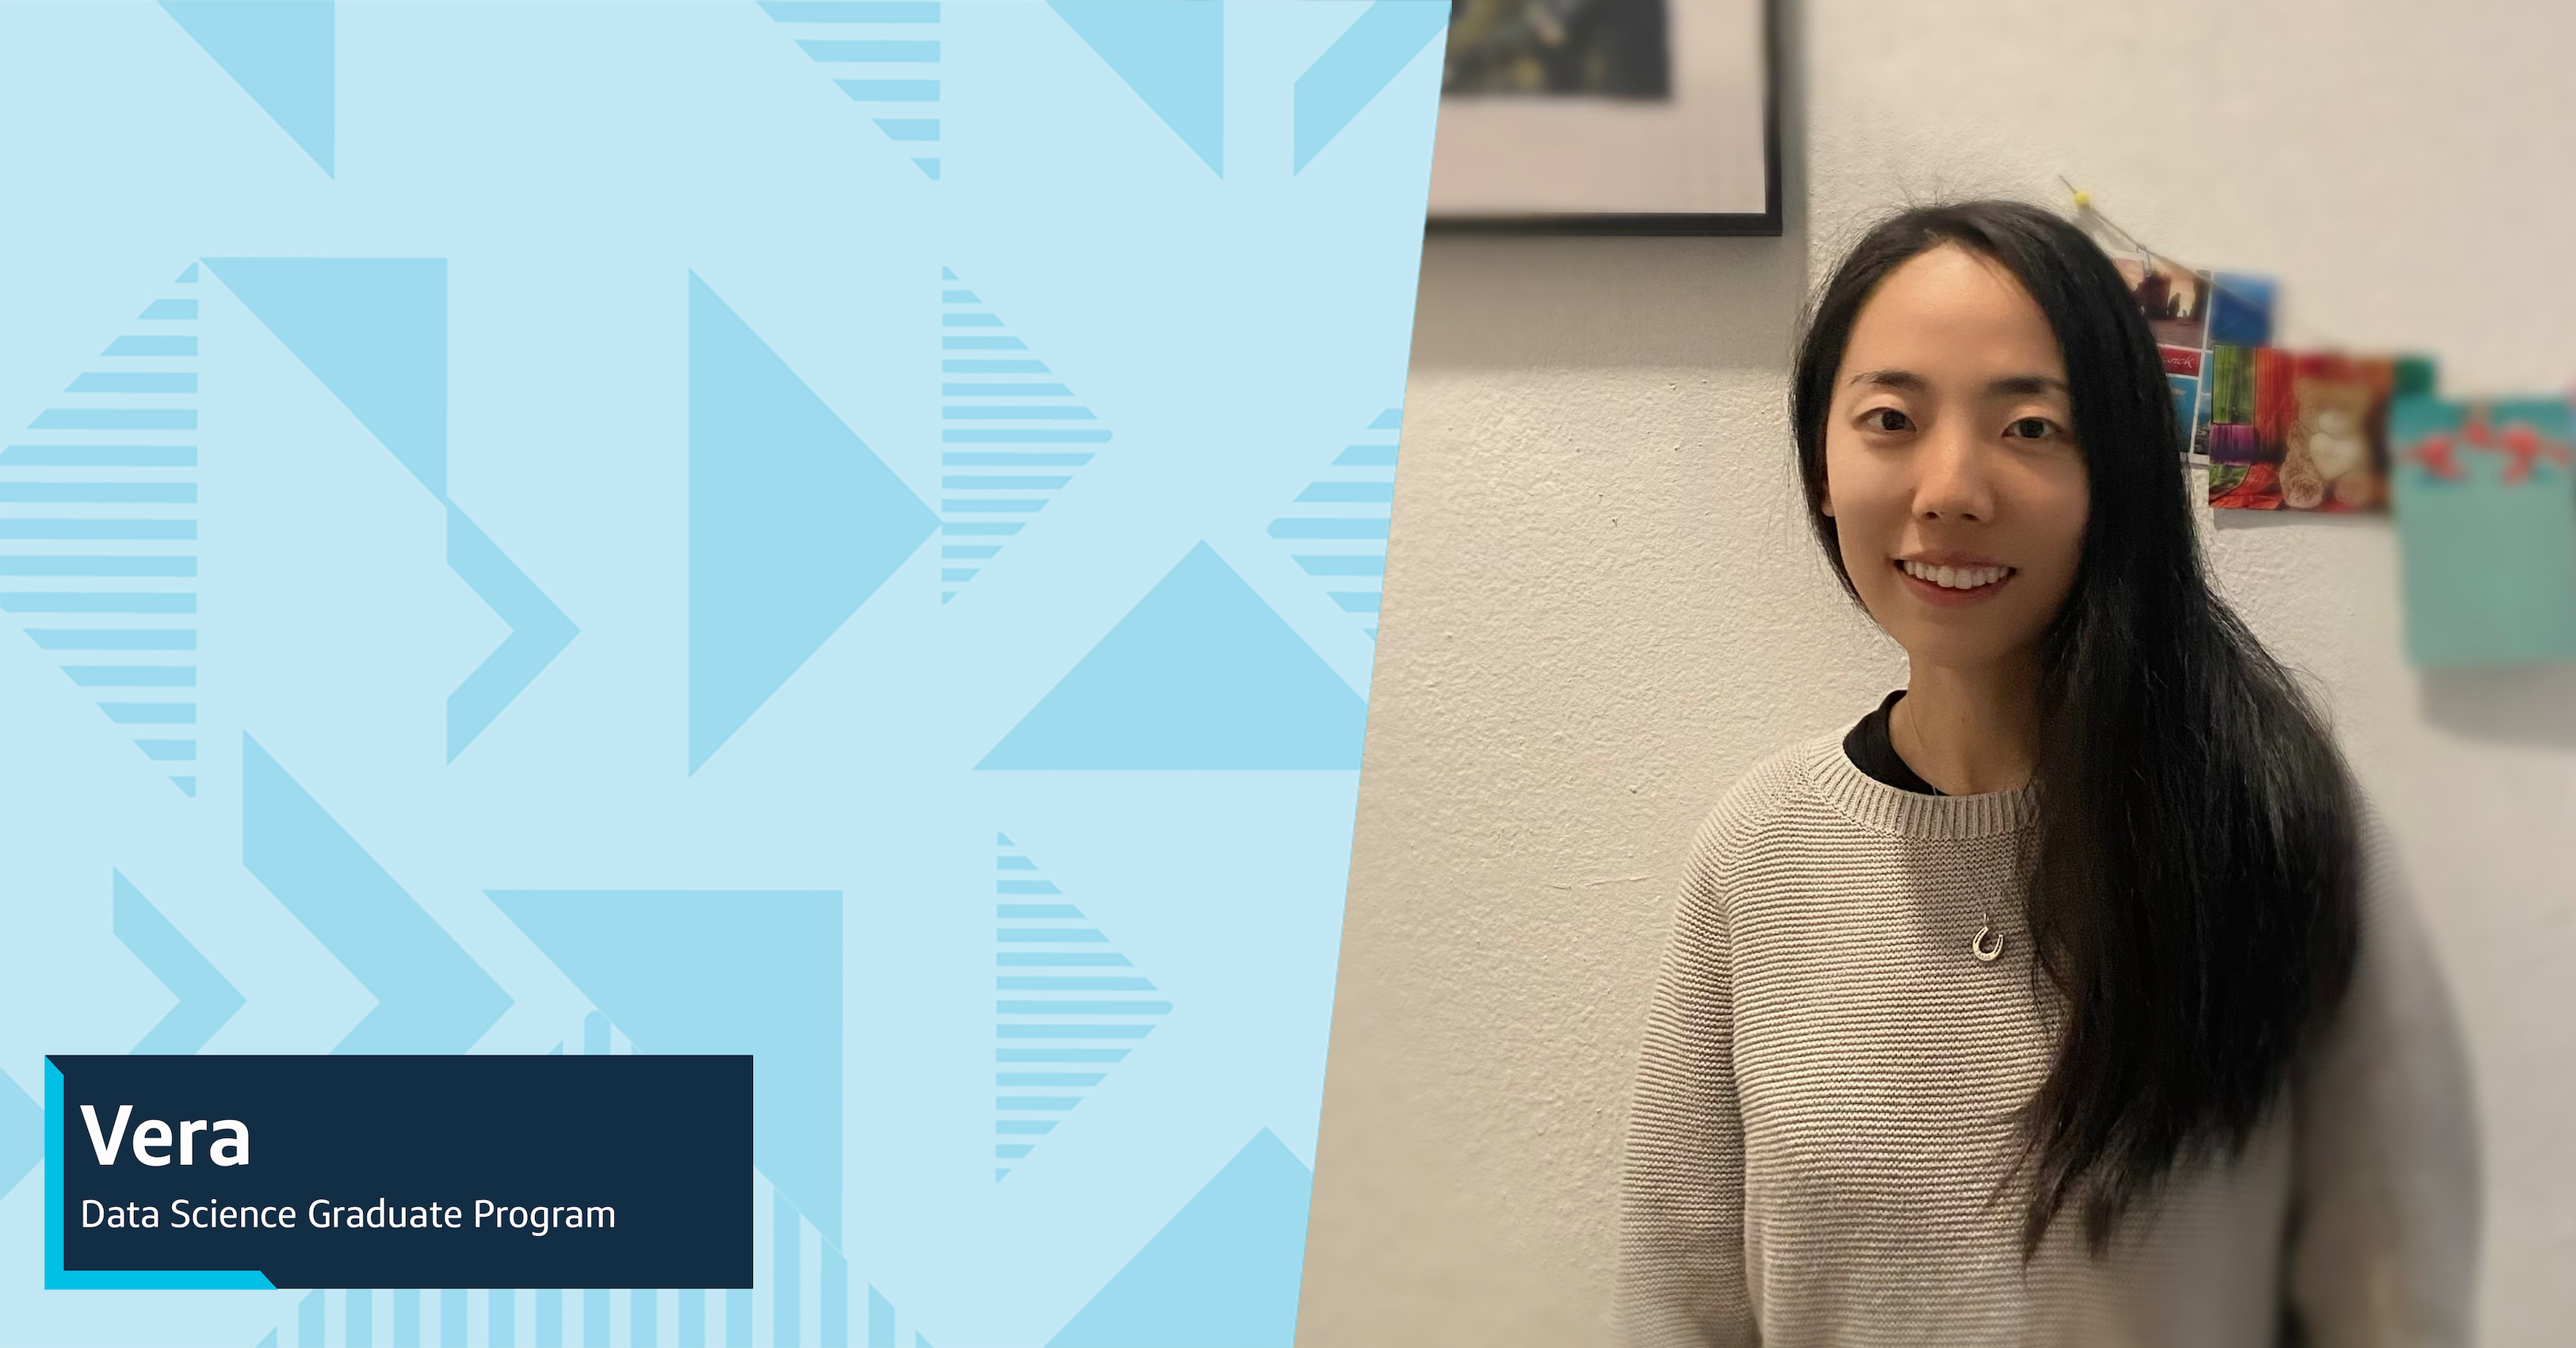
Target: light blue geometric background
point(848, 531)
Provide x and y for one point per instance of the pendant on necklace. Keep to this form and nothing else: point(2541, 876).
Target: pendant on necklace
point(1986, 953)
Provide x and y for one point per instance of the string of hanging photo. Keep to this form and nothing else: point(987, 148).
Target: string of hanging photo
point(2482, 490)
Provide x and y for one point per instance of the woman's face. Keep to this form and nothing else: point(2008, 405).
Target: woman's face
point(1951, 469)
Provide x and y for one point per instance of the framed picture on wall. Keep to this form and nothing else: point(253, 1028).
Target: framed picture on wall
point(1609, 117)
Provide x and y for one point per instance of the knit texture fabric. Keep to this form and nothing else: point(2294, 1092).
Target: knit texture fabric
point(1820, 1144)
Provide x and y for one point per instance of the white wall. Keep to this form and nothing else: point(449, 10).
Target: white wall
point(1601, 604)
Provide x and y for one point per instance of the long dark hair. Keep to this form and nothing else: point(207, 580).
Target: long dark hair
point(2192, 880)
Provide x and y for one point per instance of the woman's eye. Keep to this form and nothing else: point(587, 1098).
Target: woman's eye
point(1885, 419)
point(2031, 428)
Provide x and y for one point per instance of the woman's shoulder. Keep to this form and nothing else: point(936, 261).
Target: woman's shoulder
point(1762, 799)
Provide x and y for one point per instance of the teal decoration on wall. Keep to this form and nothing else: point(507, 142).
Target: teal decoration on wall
point(825, 529)
point(2486, 525)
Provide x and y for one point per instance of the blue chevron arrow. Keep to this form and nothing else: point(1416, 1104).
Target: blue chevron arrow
point(206, 998)
point(538, 631)
point(431, 997)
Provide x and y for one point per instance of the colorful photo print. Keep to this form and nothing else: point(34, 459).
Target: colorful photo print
point(2486, 529)
point(2240, 309)
point(2174, 299)
point(2318, 439)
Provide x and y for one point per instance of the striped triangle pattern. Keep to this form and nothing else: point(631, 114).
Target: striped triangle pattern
point(884, 54)
point(1068, 1007)
point(98, 530)
point(1010, 436)
point(1337, 528)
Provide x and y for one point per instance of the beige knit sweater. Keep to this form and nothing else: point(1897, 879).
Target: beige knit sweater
point(1822, 1108)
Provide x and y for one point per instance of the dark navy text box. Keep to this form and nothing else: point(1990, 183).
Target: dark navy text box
point(664, 1141)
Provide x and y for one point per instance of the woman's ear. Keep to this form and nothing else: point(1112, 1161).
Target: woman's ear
point(1825, 501)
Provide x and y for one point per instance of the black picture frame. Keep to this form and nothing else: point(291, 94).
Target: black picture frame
point(1739, 224)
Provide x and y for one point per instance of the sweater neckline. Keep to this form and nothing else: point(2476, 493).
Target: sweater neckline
point(1875, 805)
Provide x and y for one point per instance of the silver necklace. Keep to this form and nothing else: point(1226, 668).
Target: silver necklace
point(1978, 947)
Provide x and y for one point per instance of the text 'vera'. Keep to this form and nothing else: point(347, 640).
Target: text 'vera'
point(228, 1143)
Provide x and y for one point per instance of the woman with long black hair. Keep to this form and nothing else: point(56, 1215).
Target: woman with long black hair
point(2069, 996)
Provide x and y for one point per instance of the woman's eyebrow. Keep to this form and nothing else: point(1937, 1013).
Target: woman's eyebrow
point(1907, 380)
point(2024, 385)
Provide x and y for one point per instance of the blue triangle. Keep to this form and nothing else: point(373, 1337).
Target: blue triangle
point(793, 522)
point(189, 276)
point(556, 1051)
point(928, 166)
point(373, 330)
point(1224, 1269)
point(721, 971)
point(947, 275)
point(280, 52)
point(1003, 840)
point(1200, 674)
point(1352, 72)
point(1388, 420)
point(1172, 53)
point(187, 784)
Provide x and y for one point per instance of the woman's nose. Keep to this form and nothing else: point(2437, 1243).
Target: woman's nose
point(1953, 480)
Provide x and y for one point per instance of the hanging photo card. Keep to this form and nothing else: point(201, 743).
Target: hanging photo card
point(2486, 524)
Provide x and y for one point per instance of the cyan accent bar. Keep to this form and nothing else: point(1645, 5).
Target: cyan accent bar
point(1327, 528)
point(102, 381)
point(1061, 935)
point(98, 566)
point(1365, 492)
point(170, 309)
point(451, 1317)
point(738, 1317)
point(99, 456)
point(594, 1311)
point(644, 1307)
point(1070, 983)
point(693, 1317)
point(992, 505)
point(957, 573)
point(151, 346)
point(28, 601)
point(1010, 1150)
point(1019, 1008)
point(114, 638)
point(1068, 959)
point(1035, 910)
point(169, 750)
point(1013, 863)
point(890, 91)
point(1037, 1103)
point(151, 713)
point(115, 419)
point(1004, 391)
point(308, 1322)
point(1356, 601)
point(1072, 1031)
point(1366, 456)
point(151, 493)
point(1025, 887)
point(969, 551)
point(1049, 1078)
point(982, 344)
point(993, 367)
point(360, 1303)
point(978, 529)
point(1023, 437)
point(909, 128)
point(98, 528)
point(852, 11)
point(1058, 1054)
point(1388, 420)
point(971, 482)
point(133, 676)
point(1024, 1127)
point(1367, 564)
point(870, 50)
point(1004, 458)
point(958, 297)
